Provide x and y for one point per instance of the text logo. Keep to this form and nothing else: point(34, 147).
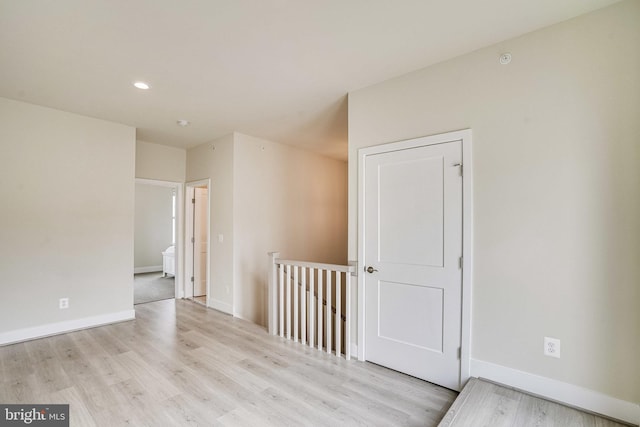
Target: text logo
point(34, 415)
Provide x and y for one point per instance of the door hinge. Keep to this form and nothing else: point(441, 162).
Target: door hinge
point(193, 201)
point(460, 262)
point(192, 278)
point(459, 353)
point(193, 240)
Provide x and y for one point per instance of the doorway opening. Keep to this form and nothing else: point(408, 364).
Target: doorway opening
point(157, 237)
point(196, 279)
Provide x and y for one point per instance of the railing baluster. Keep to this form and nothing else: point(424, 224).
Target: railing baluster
point(272, 294)
point(303, 307)
point(309, 318)
point(347, 325)
point(338, 313)
point(329, 312)
point(281, 308)
point(289, 301)
point(296, 299)
point(320, 309)
point(312, 303)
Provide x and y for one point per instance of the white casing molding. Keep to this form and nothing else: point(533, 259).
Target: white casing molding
point(187, 259)
point(35, 332)
point(559, 391)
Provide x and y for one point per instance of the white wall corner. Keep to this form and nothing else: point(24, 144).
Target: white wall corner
point(26, 334)
point(559, 391)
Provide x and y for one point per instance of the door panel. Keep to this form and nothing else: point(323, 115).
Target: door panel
point(413, 239)
point(200, 241)
point(402, 306)
point(411, 229)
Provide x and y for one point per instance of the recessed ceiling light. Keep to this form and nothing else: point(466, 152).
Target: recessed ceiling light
point(141, 85)
point(183, 122)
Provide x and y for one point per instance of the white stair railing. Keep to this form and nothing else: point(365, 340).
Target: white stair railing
point(305, 303)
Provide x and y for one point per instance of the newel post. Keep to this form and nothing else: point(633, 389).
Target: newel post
point(272, 301)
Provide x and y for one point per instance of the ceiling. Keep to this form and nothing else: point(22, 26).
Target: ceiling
point(276, 69)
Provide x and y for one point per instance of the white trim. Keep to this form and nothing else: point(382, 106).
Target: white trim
point(360, 260)
point(179, 240)
point(47, 330)
point(464, 136)
point(316, 265)
point(467, 255)
point(151, 269)
point(559, 391)
point(188, 248)
point(222, 306)
point(188, 209)
point(354, 348)
point(157, 182)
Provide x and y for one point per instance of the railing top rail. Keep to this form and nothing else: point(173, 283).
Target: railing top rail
point(318, 265)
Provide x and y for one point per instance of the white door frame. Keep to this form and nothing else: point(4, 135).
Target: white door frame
point(188, 206)
point(464, 136)
point(179, 254)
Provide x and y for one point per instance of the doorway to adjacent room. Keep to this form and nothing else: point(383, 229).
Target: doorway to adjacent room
point(156, 233)
point(197, 246)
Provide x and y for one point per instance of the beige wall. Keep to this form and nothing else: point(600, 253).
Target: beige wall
point(287, 200)
point(160, 162)
point(556, 137)
point(153, 224)
point(66, 222)
point(267, 197)
point(205, 162)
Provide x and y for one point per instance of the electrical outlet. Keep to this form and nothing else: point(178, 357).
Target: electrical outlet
point(63, 303)
point(552, 347)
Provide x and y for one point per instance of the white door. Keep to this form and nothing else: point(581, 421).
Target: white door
point(413, 245)
point(200, 250)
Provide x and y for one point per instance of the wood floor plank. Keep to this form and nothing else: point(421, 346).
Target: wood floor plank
point(16, 362)
point(181, 364)
point(78, 412)
point(483, 403)
point(51, 376)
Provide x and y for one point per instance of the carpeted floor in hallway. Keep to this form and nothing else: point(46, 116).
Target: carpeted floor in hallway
point(148, 287)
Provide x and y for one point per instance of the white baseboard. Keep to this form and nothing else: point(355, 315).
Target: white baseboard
point(47, 330)
point(150, 269)
point(569, 394)
point(221, 306)
point(354, 351)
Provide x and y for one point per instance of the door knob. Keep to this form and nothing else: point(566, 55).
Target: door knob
point(370, 269)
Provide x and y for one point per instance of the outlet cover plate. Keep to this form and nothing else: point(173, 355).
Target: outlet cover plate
point(552, 347)
point(63, 303)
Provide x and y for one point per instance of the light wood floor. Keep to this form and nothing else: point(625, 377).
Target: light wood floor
point(482, 403)
point(181, 364)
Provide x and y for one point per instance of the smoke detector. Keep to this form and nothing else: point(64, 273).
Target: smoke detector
point(505, 58)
